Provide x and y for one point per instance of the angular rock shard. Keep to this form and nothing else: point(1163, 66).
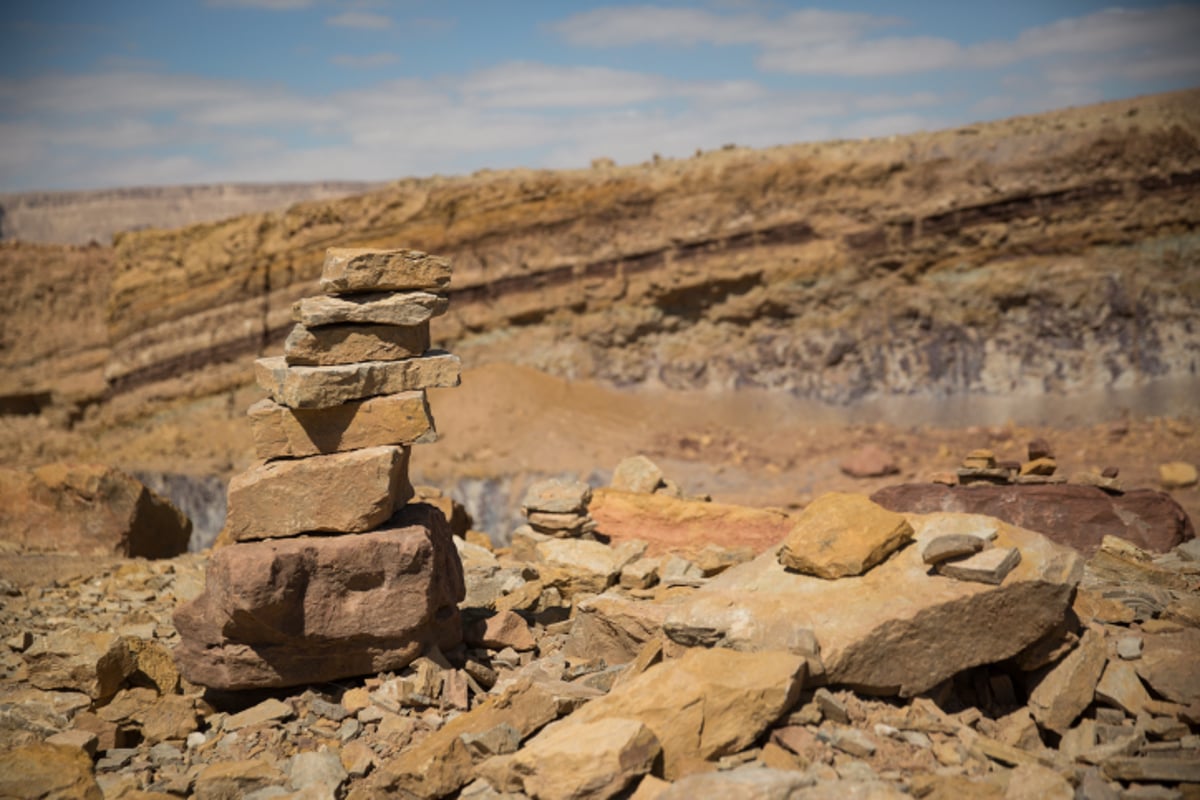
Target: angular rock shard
point(397, 419)
point(357, 269)
point(841, 534)
point(896, 629)
point(413, 308)
point(331, 345)
point(340, 493)
point(309, 609)
point(323, 387)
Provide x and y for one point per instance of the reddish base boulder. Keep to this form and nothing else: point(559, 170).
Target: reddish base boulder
point(1077, 516)
point(285, 612)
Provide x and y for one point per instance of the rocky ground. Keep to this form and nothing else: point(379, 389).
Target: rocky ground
point(1105, 705)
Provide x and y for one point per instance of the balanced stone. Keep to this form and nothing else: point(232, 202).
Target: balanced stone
point(282, 432)
point(841, 534)
point(989, 566)
point(951, 545)
point(347, 344)
point(410, 308)
point(341, 493)
point(324, 387)
point(316, 608)
point(354, 269)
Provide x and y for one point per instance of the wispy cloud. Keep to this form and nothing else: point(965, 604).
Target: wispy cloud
point(366, 61)
point(364, 20)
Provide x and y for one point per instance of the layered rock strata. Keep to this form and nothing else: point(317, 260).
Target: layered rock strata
point(329, 573)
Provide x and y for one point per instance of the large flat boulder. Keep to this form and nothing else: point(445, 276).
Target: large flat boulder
point(673, 525)
point(282, 432)
point(309, 609)
point(324, 387)
point(1077, 516)
point(90, 509)
point(900, 628)
point(338, 493)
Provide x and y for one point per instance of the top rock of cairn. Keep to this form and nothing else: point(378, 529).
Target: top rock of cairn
point(331, 572)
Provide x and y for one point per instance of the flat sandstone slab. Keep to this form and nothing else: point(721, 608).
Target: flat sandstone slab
point(340, 493)
point(325, 387)
point(282, 432)
point(330, 345)
point(356, 269)
point(318, 608)
point(410, 308)
point(841, 534)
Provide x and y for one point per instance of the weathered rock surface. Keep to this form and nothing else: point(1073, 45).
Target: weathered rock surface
point(89, 509)
point(93, 663)
point(340, 493)
point(572, 760)
point(706, 704)
point(1177, 475)
point(282, 432)
point(1170, 664)
point(348, 270)
point(384, 308)
point(989, 566)
point(896, 629)
point(1078, 516)
point(841, 534)
point(613, 628)
point(637, 474)
point(671, 524)
point(869, 461)
point(323, 387)
point(330, 345)
point(310, 609)
point(1069, 687)
point(47, 772)
point(556, 496)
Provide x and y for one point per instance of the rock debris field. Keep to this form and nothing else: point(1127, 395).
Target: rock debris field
point(998, 631)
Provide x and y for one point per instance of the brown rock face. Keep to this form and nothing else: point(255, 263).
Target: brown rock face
point(282, 432)
point(341, 493)
point(349, 344)
point(310, 609)
point(90, 509)
point(48, 771)
point(670, 524)
point(1078, 516)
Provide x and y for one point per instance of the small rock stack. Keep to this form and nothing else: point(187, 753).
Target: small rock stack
point(331, 573)
point(559, 509)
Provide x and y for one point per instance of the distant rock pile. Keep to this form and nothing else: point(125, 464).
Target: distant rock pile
point(287, 603)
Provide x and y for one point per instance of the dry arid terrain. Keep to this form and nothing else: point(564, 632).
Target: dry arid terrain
point(767, 327)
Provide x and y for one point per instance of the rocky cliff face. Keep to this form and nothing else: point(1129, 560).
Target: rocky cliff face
point(1050, 254)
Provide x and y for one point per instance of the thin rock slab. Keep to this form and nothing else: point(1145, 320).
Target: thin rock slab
point(896, 630)
point(841, 534)
point(382, 308)
point(339, 493)
point(359, 269)
point(287, 612)
point(330, 345)
point(325, 387)
point(394, 419)
point(1069, 687)
point(989, 566)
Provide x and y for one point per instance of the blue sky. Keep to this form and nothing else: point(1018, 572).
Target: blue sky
point(136, 92)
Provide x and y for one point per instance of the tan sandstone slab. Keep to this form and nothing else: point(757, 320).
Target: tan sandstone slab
point(673, 525)
point(308, 609)
point(1068, 689)
point(330, 345)
point(704, 705)
point(841, 534)
point(398, 419)
point(324, 387)
point(339, 493)
point(896, 629)
point(378, 308)
point(360, 269)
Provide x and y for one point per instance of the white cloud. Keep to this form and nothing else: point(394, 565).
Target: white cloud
point(529, 85)
point(360, 19)
point(366, 61)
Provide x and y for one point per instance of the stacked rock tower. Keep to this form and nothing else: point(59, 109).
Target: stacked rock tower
point(331, 573)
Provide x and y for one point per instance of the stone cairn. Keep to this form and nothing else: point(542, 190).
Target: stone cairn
point(331, 572)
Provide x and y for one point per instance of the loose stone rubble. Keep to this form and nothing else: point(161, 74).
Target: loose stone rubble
point(284, 605)
point(597, 669)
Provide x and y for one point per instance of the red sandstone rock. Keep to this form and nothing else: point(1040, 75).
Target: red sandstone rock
point(1078, 516)
point(90, 509)
point(286, 612)
point(869, 461)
